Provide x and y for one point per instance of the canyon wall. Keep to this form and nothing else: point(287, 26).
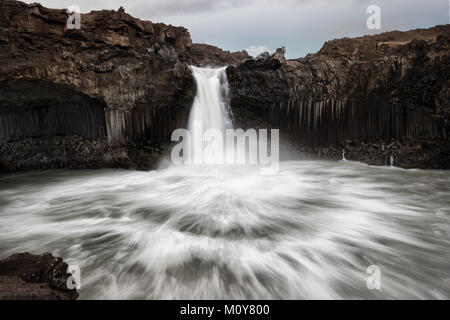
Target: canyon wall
point(356, 94)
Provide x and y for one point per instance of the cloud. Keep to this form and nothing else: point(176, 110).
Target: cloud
point(254, 51)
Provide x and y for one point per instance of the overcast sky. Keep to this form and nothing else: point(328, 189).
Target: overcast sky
point(302, 26)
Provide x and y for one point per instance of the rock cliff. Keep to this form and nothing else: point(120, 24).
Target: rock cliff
point(373, 96)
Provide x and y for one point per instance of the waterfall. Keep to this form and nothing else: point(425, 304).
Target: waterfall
point(210, 109)
point(211, 139)
point(392, 160)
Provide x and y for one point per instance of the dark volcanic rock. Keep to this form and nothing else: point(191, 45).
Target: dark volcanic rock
point(33, 277)
point(127, 67)
point(392, 86)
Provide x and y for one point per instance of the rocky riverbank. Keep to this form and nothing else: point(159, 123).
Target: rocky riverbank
point(406, 154)
point(106, 95)
point(34, 277)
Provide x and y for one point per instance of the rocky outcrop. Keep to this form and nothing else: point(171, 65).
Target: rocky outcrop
point(392, 87)
point(117, 79)
point(34, 277)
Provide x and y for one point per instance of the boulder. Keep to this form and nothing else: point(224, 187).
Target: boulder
point(24, 276)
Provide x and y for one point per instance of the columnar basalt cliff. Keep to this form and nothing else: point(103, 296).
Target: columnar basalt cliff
point(373, 96)
point(24, 276)
point(118, 81)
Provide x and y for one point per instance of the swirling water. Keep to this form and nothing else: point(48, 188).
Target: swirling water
point(309, 231)
point(216, 232)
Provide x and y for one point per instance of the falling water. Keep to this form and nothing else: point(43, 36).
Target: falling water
point(391, 160)
point(343, 155)
point(210, 232)
point(210, 110)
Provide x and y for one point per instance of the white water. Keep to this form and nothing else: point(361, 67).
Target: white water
point(217, 232)
point(210, 106)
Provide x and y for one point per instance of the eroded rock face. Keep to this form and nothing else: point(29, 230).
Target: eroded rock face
point(375, 89)
point(34, 277)
point(117, 79)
